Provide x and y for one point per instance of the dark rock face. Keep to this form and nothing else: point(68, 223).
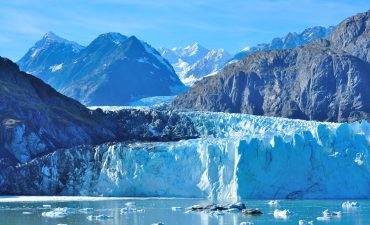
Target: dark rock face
point(291, 40)
point(36, 119)
point(112, 70)
point(327, 80)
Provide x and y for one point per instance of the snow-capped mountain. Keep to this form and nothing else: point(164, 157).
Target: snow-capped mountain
point(195, 61)
point(291, 40)
point(48, 55)
point(112, 70)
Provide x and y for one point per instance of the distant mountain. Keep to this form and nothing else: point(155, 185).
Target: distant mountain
point(326, 80)
point(112, 70)
point(195, 61)
point(291, 40)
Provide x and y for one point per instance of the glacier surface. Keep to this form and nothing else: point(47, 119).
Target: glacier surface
point(236, 157)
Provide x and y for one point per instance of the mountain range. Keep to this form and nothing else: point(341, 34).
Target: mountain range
point(112, 70)
point(327, 80)
point(291, 40)
point(195, 61)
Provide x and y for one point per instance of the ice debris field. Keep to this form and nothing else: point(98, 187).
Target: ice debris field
point(216, 210)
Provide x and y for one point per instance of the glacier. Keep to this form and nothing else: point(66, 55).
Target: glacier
point(235, 157)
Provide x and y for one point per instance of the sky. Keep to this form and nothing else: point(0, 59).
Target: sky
point(232, 24)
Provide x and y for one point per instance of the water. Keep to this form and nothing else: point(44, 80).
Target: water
point(159, 210)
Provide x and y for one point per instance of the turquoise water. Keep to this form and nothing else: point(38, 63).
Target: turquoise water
point(159, 210)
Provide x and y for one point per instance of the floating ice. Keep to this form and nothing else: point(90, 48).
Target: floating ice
point(283, 214)
point(87, 210)
point(59, 212)
point(246, 223)
point(176, 208)
point(99, 217)
point(46, 206)
point(305, 222)
point(349, 204)
point(157, 223)
point(26, 213)
point(323, 218)
point(273, 202)
point(130, 204)
point(328, 213)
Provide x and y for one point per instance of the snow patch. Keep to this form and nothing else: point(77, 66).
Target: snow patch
point(56, 67)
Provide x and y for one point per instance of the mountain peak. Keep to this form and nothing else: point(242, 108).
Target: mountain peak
point(113, 36)
point(51, 37)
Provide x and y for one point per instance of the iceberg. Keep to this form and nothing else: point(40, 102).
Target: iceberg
point(59, 212)
point(349, 205)
point(282, 214)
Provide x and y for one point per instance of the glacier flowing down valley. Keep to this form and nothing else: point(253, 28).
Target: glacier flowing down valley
point(235, 157)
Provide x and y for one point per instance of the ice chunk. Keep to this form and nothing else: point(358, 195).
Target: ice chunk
point(284, 214)
point(323, 218)
point(157, 223)
point(305, 222)
point(59, 212)
point(26, 213)
point(46, 206)
point(246, 223)
point(87, 210)
point(349, 204)
point(176, 208)
point(328, 213)
point(99, 217)
point(130, 204)
point(273, 202)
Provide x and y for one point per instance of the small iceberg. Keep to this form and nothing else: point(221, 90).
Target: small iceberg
point(349, 204)
point(86, 210)
point(246, 223)
point(46, 206)
point(157, 223)
point(323, 218)
point(26, 213)
point(59, 212)
point(99, 217)
point(273, 203)
point(305, 222)
point(282, 214)
point(130, 204)
point(328, 213)
point(176, 208)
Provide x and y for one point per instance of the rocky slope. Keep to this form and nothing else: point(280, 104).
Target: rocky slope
point(195, 61)
point(35, 120)
point(112, 70)
point(327, 80)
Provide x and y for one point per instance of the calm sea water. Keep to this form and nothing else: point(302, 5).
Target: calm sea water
point(159, 210)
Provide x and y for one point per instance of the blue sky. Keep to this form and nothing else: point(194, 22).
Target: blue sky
point(232, 24)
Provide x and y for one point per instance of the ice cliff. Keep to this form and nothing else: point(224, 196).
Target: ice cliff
point(236, 156)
